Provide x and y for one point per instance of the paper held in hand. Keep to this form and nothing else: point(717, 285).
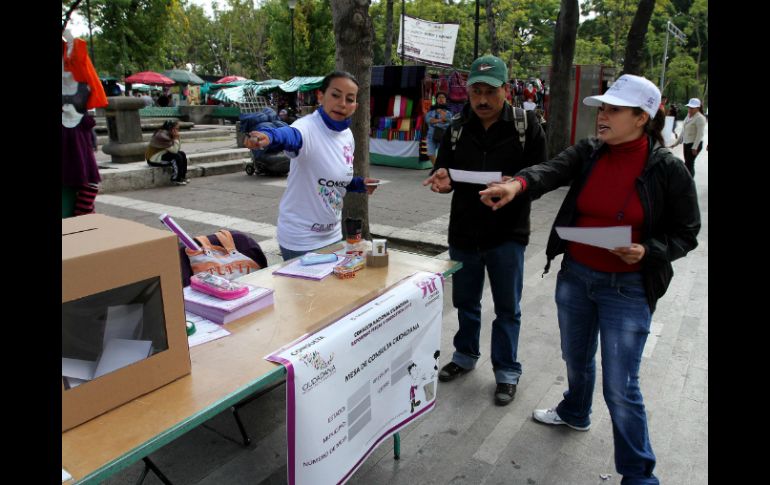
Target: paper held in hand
point(473, 177)
point(602, 237)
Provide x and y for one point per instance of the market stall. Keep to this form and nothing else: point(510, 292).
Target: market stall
point(397, 114)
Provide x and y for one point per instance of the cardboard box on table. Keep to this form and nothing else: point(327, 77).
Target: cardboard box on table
point(101, 253)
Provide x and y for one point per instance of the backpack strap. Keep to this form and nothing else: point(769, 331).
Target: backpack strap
point(226, 240)
point(520, 118)
point(456, 130)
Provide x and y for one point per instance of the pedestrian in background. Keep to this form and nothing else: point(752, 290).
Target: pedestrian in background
point(321, 149)
point(692, 134)
point(487, 140)
point(624, 176)
point(674, 112)
point(438, 120)
point(164, 149)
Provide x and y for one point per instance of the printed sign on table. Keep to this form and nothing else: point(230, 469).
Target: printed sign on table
point(358, 381)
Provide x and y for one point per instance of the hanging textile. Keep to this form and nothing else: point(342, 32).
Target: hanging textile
point(81, 90)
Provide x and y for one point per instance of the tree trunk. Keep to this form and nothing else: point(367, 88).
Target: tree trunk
point(635, 43)
point(493, 42)
point(561, 64)
point(354, 35)
point(388, 32)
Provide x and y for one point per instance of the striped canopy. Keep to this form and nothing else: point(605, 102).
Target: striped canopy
point(301, 83)
point(242, 93)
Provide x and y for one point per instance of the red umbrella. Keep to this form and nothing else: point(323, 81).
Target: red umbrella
point(229, 79)
point(149, 77)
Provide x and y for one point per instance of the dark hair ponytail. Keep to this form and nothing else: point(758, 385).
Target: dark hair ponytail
point(334, 75)
point(169, 124)
point(654, 126)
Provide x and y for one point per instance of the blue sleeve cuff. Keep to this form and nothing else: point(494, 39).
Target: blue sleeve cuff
point(356, 185)
point(285, 138)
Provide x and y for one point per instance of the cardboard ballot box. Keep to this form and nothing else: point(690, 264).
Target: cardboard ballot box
point(123, 320)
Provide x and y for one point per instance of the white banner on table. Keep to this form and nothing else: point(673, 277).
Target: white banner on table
point(358, 381)
point(430, 42)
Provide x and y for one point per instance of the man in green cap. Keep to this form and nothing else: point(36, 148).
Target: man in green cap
point(489, 135)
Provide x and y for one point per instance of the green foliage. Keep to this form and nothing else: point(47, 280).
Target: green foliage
point(681, 83)
point(253, 39)
point(592, 51)
point(524, 29)
point(132, 34)
point(313, 38)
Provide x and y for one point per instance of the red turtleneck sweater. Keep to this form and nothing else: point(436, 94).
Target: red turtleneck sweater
point(609, 190)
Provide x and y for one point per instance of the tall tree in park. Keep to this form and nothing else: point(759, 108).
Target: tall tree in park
point(494, 45)
point(632, 62)
point(612, 22)
point(388, 33)
point(562, 55)
point(354, 35)
point(313, 39)
point(132, 34)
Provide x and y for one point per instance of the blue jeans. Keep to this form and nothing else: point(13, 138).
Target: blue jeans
point(288, 254)
point(505, 266)
point(610, 308)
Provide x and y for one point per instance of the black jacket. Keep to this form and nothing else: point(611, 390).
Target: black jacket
point(669, 202)
point(472, 225)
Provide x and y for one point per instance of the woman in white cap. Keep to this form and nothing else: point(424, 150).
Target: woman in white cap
point(623, 177)
point(692, 134)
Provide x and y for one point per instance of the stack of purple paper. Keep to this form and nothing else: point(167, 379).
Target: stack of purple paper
point(224, 311)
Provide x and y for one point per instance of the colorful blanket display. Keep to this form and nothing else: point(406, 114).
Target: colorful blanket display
point(403, 122)
point(394, 128)
point(400, 106)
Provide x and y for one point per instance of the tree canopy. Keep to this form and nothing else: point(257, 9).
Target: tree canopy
point(253, 38)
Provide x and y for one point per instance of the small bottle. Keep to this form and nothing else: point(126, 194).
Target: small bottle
point(354, 244)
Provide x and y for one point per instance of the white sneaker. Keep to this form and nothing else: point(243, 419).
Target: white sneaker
point(549, 416)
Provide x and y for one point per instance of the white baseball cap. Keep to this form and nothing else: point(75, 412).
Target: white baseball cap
point(693, 103)
point(630, 90)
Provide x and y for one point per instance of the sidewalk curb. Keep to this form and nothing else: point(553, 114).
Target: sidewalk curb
point(142, 176)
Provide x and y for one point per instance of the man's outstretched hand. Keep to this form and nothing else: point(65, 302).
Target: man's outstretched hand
point(439, 181)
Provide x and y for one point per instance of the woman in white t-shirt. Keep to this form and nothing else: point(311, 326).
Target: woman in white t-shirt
point(321, 149)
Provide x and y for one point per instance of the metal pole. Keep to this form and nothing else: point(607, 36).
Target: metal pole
point(403, 34)
point(476, 33)
point(665, 55)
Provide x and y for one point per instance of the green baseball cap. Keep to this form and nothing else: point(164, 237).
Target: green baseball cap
point(489, 70)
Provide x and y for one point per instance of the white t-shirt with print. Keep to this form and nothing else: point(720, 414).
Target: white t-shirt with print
point(310, 211)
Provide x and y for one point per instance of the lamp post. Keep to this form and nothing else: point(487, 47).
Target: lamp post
point(292, 5)
point(670, 28)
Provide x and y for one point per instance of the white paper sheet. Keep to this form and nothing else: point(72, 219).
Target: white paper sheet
point(119, 353)
point(77, 368)
point(312, 272)
point(123, 321)
point(602, 237)
point(205, 330)
point(65, 475)
point(73, 382)
point(472, 177)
